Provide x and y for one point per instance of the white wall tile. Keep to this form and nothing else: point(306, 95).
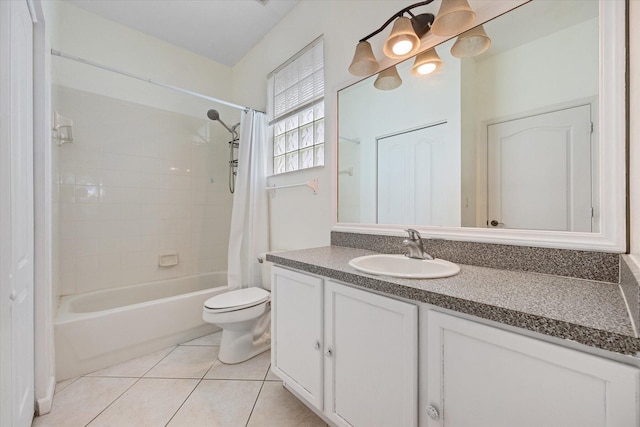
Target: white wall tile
point(126, 196)
point(66, 193)
point(86, 212)
point(87, 273)
point(110, 178)
point(87, 230)
point(87, 194)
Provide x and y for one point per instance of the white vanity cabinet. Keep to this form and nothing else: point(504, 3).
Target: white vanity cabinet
point(478, 375)
point(351, 354)
point(297, 332)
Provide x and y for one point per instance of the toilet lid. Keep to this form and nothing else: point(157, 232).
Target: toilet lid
point(237, 299)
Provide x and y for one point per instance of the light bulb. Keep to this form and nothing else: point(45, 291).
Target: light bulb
point(426, 68)
point(402, 47)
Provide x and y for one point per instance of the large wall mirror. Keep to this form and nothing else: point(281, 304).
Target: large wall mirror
point(521, 142)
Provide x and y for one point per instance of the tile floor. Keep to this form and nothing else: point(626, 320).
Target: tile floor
point(183, 385)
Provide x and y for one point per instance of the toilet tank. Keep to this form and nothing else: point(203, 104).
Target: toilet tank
point(266, 269)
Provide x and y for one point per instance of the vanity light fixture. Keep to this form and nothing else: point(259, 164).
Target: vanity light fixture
point(471, 43)
point(404, 40)
point(388, 79)
point(426, 63)
point(453, 16)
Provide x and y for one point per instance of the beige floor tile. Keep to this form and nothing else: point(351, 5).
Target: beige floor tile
point(271, 376)
point(64, 384)
point(133, 368)
point(83, 400)
point(218, 403)
point(211, 339)
point(150, 402)
point(277, 407)
point(185, 362)
point(253, 369)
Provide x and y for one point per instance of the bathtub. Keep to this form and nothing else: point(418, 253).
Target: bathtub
point(99, 329)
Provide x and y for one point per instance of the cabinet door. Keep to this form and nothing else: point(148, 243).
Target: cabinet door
point(296, 332)
point(483, 376)
point(370, 358)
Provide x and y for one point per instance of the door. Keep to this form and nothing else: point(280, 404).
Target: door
point(486, 377)
point(417, 180)
point(371, 354)
point(296, 334)
point(16, 215)
point(539, 172)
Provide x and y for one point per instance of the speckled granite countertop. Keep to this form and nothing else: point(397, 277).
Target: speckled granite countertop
point(591, 313)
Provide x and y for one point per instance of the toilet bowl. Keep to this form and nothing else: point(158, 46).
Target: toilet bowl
point(245, 318)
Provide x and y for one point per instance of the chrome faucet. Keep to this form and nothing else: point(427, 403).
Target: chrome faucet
point(415, 245)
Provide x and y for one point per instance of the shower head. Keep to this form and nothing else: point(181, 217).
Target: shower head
point(215, 116)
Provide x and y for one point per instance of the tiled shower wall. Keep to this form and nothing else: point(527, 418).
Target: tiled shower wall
point(138, 182)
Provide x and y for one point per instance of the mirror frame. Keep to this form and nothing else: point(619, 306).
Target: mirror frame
point(612, 188)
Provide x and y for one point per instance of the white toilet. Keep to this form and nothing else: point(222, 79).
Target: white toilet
point(245, 318)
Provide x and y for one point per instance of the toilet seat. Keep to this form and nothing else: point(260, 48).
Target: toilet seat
point(236, 300)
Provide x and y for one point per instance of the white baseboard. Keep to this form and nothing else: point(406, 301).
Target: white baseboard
point(43, 404)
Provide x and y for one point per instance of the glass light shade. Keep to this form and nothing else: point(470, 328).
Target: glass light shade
point(388, 79)
point(472, 43)
point(403, 41)
point(453, 17)
point(426, 63)
point(364, 62)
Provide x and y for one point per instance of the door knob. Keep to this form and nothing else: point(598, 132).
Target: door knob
point(432, 412)
point(495, 223)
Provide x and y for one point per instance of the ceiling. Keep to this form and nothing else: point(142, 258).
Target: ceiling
point(222, 30)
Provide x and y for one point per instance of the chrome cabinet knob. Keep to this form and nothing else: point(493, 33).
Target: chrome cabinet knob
point(316, 346)
point(329, 352)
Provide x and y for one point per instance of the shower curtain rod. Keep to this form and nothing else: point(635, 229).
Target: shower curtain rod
point(148, 80)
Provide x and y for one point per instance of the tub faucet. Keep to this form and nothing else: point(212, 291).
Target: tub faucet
point(415, 245)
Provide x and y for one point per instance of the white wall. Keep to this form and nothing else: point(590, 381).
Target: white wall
point(537, 75)
point(137, 181)
point(77, 32)
point(297, 212)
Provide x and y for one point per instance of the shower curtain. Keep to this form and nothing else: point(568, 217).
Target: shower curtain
point(249, 234)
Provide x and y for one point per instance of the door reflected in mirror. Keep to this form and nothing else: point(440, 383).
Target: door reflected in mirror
point(504, 139)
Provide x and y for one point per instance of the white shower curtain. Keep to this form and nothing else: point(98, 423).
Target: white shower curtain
point(249, 235)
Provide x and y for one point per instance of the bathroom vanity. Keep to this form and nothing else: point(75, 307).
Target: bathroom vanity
point(486, 347)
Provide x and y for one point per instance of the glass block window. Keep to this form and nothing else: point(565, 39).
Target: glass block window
point(296, 110)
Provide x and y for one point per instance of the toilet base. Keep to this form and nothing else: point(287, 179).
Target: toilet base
point(239, 344)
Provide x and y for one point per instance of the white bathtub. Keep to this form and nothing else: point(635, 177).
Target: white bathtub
point(99, 329)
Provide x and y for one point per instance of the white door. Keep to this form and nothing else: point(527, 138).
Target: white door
point(16, 215)
point(482, 376)
point(296, 332)
point(415, 178)
point(371, 356)
point(539, 172)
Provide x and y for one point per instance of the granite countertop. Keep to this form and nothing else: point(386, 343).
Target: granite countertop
point(588, 312)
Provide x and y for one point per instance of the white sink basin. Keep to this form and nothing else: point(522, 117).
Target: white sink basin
point(402, 266)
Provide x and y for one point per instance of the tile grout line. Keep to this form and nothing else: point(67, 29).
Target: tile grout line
point(114, 400)
point(254, 404)
point(158, 362)
point(184, 401)
point(128, 388)
point(196, 386)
